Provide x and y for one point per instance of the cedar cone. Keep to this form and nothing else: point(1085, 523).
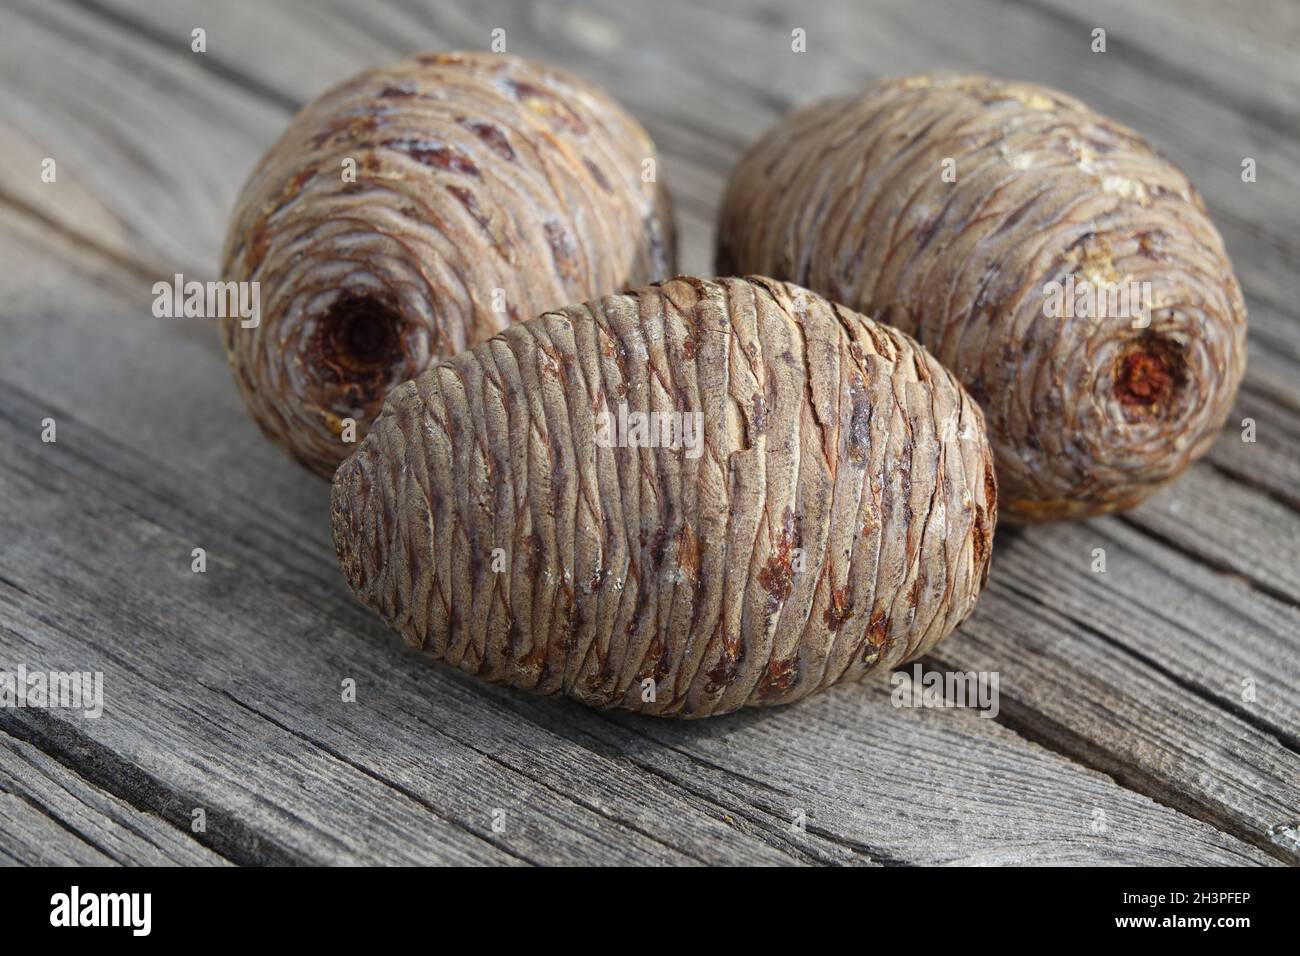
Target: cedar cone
point(1086, 414)
point(487, 189)
point(835, 517)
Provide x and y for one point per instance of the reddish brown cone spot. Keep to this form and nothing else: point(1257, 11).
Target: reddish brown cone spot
point(356, 352)
point(1149, 373)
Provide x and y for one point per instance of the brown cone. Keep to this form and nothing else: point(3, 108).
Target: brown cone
point(849, 198)
point(474, 172)
point(837, 518)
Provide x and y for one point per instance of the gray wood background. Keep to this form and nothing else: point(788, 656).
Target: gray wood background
point(1150, 714)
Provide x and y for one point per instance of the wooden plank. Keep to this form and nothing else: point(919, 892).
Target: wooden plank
point(97, 827)
point(1231, 528)
point(31, 837)
point(1188, 40)
point(240, 667)
point(1065, 686)
point(1269, 398)
point(151, 174)
point(1210, 634)
point(857, 771)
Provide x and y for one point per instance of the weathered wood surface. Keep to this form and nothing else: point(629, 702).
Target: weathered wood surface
point(1125, 734)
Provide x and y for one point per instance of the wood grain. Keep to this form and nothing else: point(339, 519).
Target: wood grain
point(93, 826)
point(1121, 692)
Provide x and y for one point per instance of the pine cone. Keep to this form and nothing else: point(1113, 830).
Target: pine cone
point(1086, 414)
point(487, 189)
point(833, 514)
